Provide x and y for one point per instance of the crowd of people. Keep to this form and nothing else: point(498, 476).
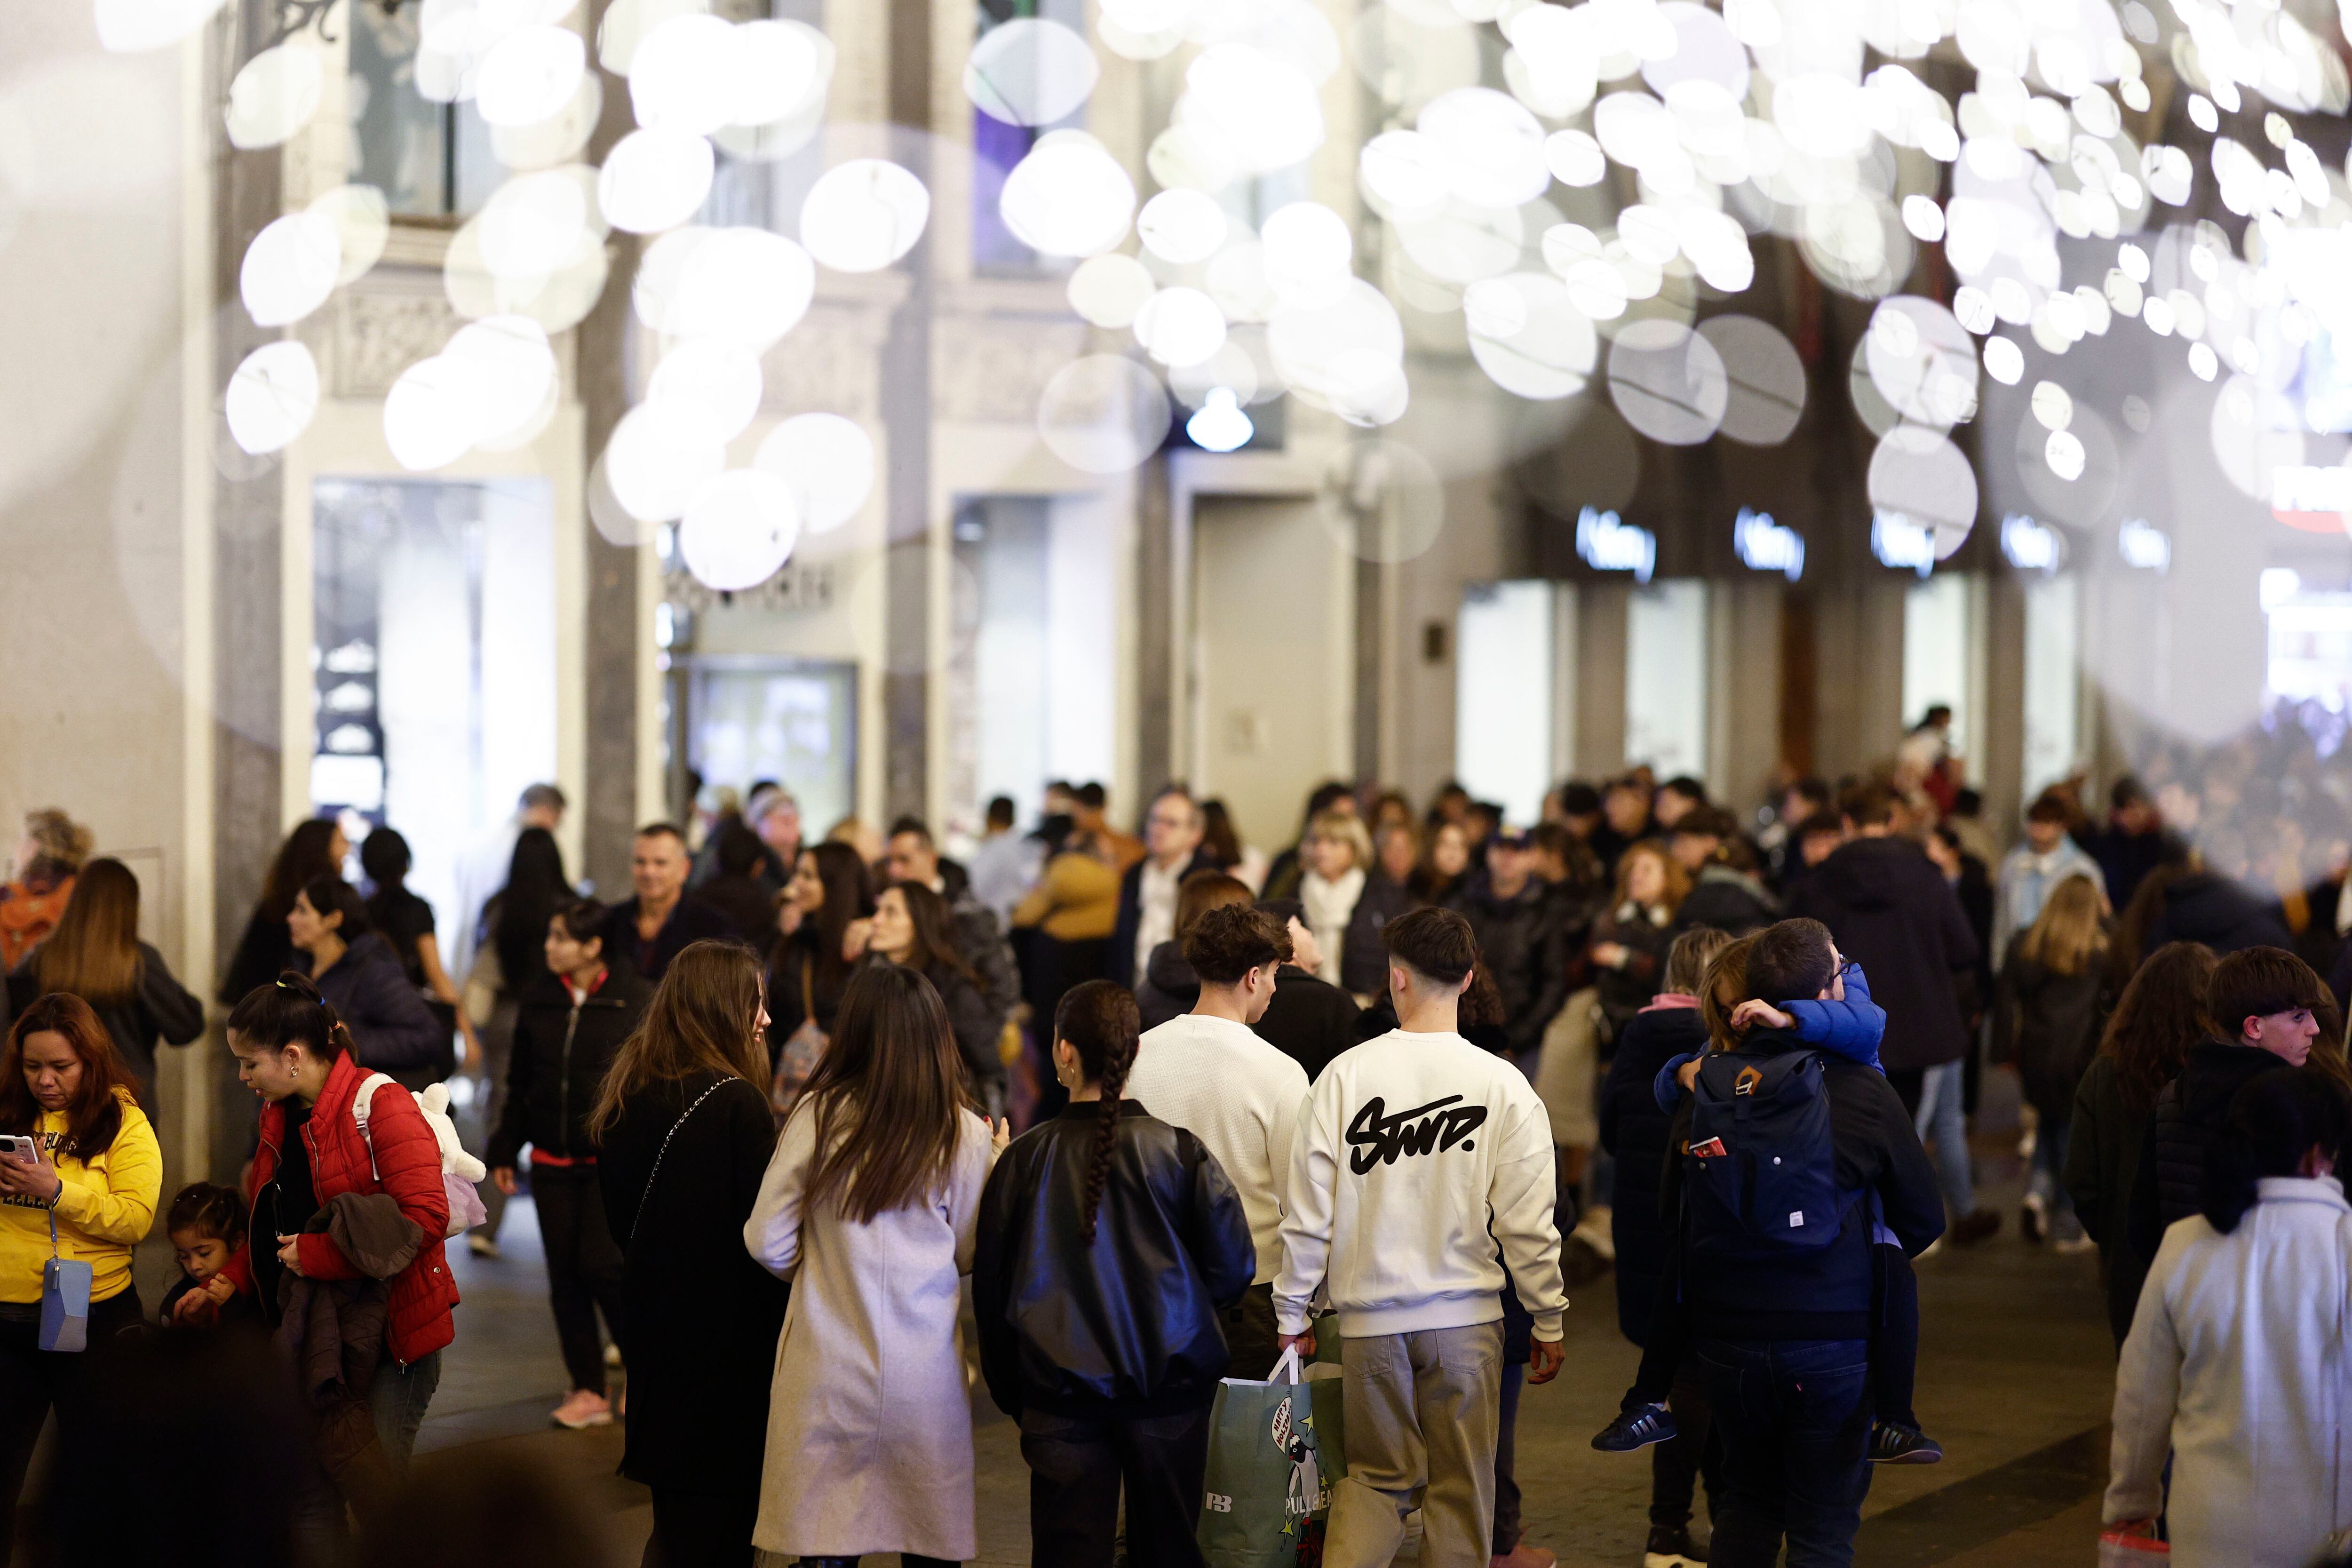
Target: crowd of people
point(1182, 1109)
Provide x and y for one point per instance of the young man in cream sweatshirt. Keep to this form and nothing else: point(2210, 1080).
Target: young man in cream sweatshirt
point(1209, 1073)
point(1417, 1154)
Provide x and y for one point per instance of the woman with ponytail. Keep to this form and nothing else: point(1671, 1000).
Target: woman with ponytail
point(1109, 1246)
point(2239, 1364)
point(296, 1054)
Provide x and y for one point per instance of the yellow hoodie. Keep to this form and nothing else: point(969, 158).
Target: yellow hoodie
point(107, 1206)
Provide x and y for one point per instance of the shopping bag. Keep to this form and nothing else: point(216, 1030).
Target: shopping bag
point(2121, 1549)
point(1267, 1493)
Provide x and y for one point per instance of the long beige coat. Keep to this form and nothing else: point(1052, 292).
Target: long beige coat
point(869, 1425)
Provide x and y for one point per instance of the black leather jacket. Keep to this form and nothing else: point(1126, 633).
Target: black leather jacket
point(1133, 1319)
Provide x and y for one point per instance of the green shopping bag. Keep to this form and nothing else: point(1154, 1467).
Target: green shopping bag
point(1268, 1487)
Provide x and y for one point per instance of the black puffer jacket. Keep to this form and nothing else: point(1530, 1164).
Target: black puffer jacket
point(1364, 956)
point(2188, 1111)
point(1891, 910)
point(1526, 949)
point(561, 1053)
point(2048, 1025)
point(2226, 916)
point(1311, 1020)
point(1727, 900)
point(1135, 1318)
point(1168, 988)
point(1634, 1128)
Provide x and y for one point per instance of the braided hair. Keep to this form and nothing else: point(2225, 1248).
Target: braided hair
point(1101, 1023)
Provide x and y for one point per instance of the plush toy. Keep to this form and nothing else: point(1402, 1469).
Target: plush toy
point(459, 1170)
point(455, 1161)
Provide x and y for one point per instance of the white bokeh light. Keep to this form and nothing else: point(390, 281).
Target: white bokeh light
point(862, 215)
point(739, 530)
point(828, 461)
point(272, 396)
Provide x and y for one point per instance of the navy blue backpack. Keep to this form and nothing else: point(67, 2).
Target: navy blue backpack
point(1761, 1164)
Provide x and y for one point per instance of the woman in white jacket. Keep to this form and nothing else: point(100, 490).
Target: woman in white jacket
point(868, 1208)
point(2237, 1360)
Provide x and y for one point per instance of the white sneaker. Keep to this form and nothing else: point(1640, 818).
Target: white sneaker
point(482, 1245)
point(1592, 1228)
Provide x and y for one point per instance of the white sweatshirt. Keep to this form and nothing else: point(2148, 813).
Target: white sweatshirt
point(1411, 1147)
point(1240, 1096)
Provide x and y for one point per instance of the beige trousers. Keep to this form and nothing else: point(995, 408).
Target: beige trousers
point(1422, 1412)
point(1567, 1076)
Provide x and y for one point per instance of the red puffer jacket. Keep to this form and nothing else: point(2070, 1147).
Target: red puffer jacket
point(409, 1158)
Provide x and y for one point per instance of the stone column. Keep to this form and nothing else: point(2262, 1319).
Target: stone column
point(907, 422)
point(249, 512)
point(612, 646)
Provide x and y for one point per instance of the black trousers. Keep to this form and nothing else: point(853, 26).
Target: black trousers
point(696, 1529)
point(1250, 1337)
point(34, 1381)
point(583, 1267)
point(1077, 1465)
point(1696, 1453)
point(1508, 1525)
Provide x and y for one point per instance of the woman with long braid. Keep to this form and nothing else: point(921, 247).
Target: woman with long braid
point(1110, 1246)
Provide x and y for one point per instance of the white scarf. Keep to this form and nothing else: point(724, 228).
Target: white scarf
point(1329, 908)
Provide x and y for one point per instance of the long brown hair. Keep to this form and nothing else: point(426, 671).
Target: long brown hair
point(1722, 988)
point(96, 1114)
point(2069, 936)
point(303, 856)
point(700, 1021)
point(887, 1096)
point(849, 896)
point(1102, 1024)
point(1678, 882)
point(94, 952)
point(2160, 1015)
point(935, 932)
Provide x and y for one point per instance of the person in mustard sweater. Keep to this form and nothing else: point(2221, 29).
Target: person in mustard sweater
point(1062, 932)
point(97, 1172)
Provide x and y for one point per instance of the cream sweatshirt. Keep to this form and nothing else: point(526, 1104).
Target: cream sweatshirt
point(1240, 1098)
point(1410, 1149)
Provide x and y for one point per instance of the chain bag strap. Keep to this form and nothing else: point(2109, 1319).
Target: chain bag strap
point(663, 1150)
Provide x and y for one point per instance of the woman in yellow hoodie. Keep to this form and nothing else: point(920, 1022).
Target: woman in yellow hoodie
point(96, 1171)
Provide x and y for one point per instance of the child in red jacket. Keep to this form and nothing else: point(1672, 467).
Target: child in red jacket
point(207, 1225)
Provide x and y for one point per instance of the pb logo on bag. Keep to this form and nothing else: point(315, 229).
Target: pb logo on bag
point(1217, 1502)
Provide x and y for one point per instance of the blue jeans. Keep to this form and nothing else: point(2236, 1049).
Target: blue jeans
point(399, 1397)
point(1943, 1122)
point(2045, 1177)
point(1795, 1420)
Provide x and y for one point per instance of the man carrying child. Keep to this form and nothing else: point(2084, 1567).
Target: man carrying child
point(1790, 1161)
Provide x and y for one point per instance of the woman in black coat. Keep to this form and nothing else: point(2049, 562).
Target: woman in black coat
point(354, 969)
point(1634, 1130)
point(574, 1018)
point(831, 895)
point(95, 953)
point(1388, 893)
point(684, 1134)
point(912, 926)
point(2047, 1010)
point(315, 848)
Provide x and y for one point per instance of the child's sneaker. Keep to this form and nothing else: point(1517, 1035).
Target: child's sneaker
point(1672, 1549)
point(1892, 1442)
point(1637, 1428)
